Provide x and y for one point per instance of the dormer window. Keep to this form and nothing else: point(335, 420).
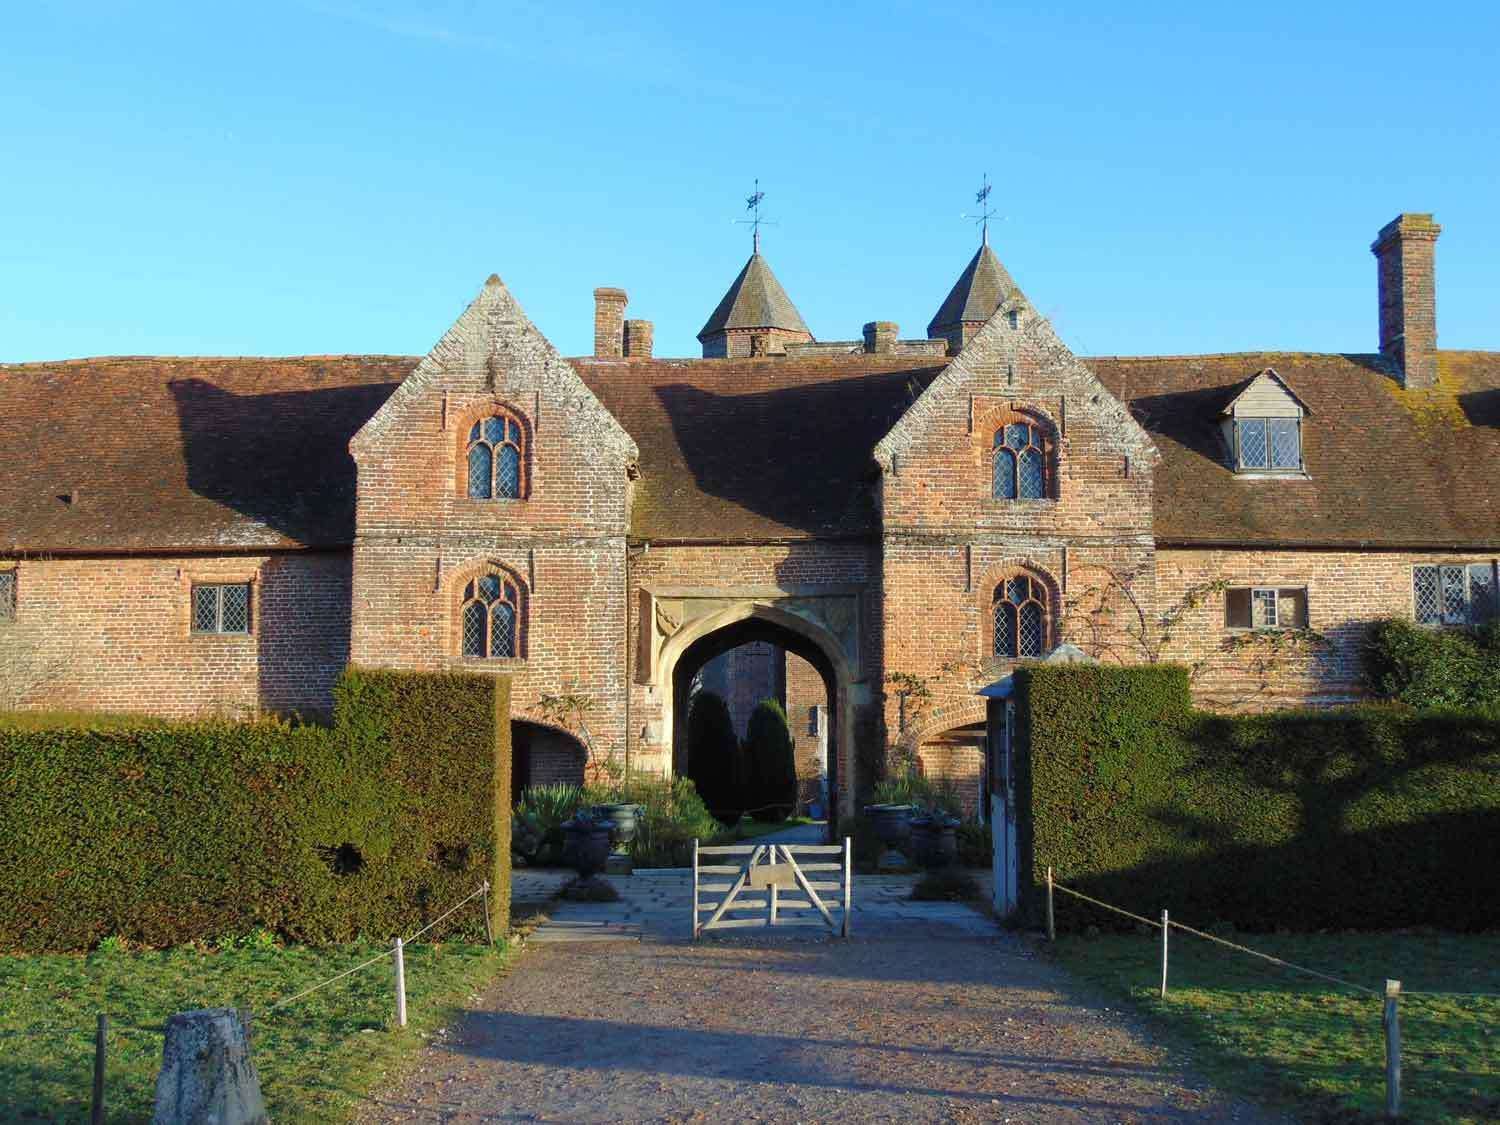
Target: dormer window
point(1268, 444)
point(1262, 427)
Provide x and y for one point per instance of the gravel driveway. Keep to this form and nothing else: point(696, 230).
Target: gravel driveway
point(777, 1030)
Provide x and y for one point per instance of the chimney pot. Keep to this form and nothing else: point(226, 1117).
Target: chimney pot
point(638, 339)
point(880, 336)
point(1405, 270)
point(609, 322)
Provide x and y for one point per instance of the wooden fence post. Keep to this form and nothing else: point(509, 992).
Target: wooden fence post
point(400, 985)
point(1051, 925)
point(1392, 1021)
point(101, 1042)
point(1163, 954)
point(489, 931)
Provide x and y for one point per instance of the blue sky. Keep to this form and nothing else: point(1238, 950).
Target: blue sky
point(341, 175)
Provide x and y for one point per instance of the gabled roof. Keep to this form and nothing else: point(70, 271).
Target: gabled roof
point(755, 300)
point(1269, 375)
point(1386, 467)
point(976, 294)
point(185, 453)
point(757, 448)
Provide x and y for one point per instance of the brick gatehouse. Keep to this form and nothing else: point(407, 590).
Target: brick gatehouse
point(190, 536)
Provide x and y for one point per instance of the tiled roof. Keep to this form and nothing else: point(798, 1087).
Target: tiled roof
point(756, 448)
point(976, 294)
point(218, 453)
point(1385, 466)
point(191, 453)
point(755, 300)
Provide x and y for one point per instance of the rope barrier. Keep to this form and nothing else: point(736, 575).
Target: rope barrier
point(1210, 937)
point(483, 887)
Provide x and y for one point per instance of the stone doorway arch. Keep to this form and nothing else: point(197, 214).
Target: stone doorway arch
point(703, 638)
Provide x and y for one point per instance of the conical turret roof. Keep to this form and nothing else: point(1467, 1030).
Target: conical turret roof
point(755, 300)
point(977, 293)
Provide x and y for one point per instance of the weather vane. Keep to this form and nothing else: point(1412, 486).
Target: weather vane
point(986, 213)
point(755, 222)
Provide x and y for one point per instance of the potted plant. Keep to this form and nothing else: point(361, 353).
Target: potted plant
point(893, 826)
point(586, 849)
point(626, 819)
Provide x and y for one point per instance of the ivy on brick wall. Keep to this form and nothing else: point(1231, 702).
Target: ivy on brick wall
point(165, 834)
point(1363, 818)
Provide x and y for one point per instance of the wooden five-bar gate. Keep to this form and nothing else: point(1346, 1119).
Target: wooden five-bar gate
point(743, 885)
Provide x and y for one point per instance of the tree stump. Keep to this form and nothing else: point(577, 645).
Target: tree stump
point(207, 1077)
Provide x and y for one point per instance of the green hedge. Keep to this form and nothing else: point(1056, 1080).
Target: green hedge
point(167, 834)
point(1365, 818)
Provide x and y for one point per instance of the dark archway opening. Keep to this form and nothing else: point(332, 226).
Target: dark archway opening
point(807, 687)
point(542, 755)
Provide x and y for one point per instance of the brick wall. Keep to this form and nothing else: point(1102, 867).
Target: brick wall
point(420, 539)
point(805, 696)
point(118, 631)
point(1345, 591)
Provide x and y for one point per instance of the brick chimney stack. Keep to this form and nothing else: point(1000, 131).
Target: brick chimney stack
point(1404, 254)
point(609, 323)
point(638, 335)
point(880, 336)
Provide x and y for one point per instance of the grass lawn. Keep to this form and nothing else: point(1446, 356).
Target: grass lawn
point(315, 1057)
point(750, 829)
point(1290, 1039)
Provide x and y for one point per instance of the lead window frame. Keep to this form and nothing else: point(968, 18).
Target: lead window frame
point(219, 610)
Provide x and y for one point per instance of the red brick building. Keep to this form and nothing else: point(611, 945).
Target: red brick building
point(895, 521)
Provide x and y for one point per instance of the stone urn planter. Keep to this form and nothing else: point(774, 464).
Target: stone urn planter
point(586, 844)
point(626, 819)
point(940, 841)
point(923, 844)
point(893, 826)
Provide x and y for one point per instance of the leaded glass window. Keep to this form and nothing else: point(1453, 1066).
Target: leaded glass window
point(7, 594)
point(490, 620)
point(1269, 444)
point(221, 608)
point(1454, 594)
point(1020, 463)
point(1020, 617)
point(495, 457)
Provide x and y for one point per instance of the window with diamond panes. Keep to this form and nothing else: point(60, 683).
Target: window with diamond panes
point(494, 453)
point(221, 608)
point(1020, 617)
point(1456, 594)
point(491, 618)
point(7, 594)
point(1020, 467)
point(1270, 443)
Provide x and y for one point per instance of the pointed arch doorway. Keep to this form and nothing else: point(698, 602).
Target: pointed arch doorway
point(702, 639)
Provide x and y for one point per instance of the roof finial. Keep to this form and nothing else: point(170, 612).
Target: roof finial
point(752, 204)
point(982, 198)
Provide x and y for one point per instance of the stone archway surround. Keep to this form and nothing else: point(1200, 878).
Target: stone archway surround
point(823, 621)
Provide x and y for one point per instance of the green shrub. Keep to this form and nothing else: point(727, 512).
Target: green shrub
point(772, 762)
point(714, 753)
point(1364, 818)
point(1433, 667)
point(164, 834)
point(911, 788)
point(537, 821)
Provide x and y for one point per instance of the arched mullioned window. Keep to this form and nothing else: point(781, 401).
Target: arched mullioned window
point(492, 618)
point(496, 445)
point(1020, 617)
point(1020, 462)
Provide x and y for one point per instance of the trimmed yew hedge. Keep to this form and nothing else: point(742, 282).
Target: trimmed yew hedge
point(203, 831)
point(1362, 818)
